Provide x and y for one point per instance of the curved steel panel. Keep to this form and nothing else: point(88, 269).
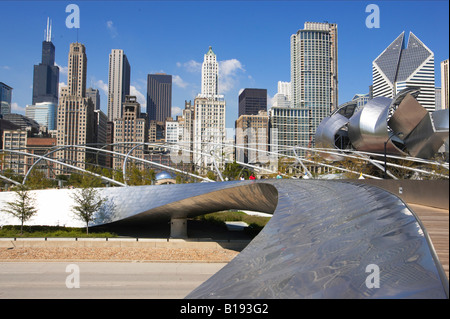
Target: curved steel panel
point(326, 132)
point(318, 244)
point(320, 241)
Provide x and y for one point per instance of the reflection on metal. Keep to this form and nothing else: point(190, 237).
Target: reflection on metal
point(322, 237)
point(320, 242)
point(380, 119)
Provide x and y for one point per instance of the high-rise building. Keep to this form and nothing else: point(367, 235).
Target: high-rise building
point(5, 98)
point(210, 75)
point(402, 66)
point(44, 113)
point(251, 101)
point(209, 131)
point(75, 119)
point(314, 71)
point(314, 75)
point(289, 127)
point(159, 97)
point(46, 73)
point(445, 84)
point(118, 83)
point(130, 128)
point(209, 116)
point(94, 94)
point(252, 138)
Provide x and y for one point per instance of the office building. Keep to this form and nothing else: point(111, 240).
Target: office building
point(402, 66)
point(159, 97)
point(209, 116)
point(5, 98)
point(129, 130)
point(209, 131)
point(118, 83)
point(252, 138)
point(289, 127)
point(75, 116)
point(251, 101)
point(46, 73)
point(210, 75)
point(94, 95)
point(44, 113)
point(314, 76)
point(445, 84)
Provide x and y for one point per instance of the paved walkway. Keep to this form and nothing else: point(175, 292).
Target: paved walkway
point(436, 222)
point(102, 280)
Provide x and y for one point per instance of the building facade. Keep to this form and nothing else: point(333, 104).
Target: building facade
point(251, 101)
point(130, 130)
point(118, 83)
point(44, 113)
point(445, 84)
point(159, 97)
point(75, 116)
point(252, 138)
point(209, 132)
point(289, 127)
point(314, 75)
point(402, 66)
point(46, 73)
point(5, 98)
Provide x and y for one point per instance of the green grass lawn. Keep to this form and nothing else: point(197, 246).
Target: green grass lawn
point(50, 231)
point(255, 223)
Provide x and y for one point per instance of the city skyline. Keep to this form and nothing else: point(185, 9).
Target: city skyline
point(172, 44)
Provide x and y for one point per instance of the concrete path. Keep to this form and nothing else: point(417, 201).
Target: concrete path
point(102, 280)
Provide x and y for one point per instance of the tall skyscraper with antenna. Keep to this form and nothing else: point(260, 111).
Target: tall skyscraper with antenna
point(46, 73)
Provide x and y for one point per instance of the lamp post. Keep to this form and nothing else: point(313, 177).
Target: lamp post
point(399, 134)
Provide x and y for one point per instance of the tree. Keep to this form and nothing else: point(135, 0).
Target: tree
point(87, 203)
point(24, 206)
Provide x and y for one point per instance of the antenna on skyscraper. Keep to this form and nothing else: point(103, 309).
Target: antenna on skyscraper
point(48, 34)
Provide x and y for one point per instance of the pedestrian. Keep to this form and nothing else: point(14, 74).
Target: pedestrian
point(252, 177)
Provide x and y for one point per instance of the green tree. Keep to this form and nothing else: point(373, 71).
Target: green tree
point(38, 180)
point(87, 202)
point(23, 207)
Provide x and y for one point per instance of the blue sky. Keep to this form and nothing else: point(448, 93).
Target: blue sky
point(250, 38)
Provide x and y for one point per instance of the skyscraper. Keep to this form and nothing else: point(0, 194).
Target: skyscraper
point(314, 77)
point(118, 83)
point(46, 73)
point(251, 101)
point(445, 84)
point(5, 98)
point(130, 128)
point(94, 94)
point(210, 75)
point(75, 120)
point(209, 115)
point(402, 66)
point(159, 97)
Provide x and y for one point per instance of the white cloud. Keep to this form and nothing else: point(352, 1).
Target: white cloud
point(102, 86)
point(112, 29)
point(62, 69)
point(228, 72)
point(61, 85)
point(176, 111)
point(179, 81)
point(191, 66)
point(5, 67)
point(16, 108)
point(140, 97)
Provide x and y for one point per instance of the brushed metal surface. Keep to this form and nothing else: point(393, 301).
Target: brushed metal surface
point(322, 237)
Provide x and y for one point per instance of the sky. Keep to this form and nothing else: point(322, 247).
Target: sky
point(251, 40)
